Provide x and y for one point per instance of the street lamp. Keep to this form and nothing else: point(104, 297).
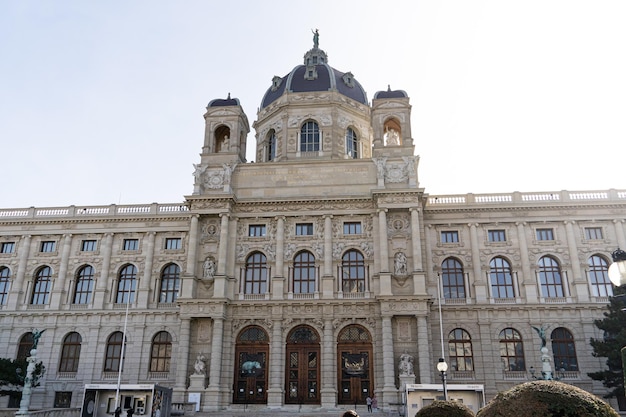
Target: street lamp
point(617, 275)
point(442, 367)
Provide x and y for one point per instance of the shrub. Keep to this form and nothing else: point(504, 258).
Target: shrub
point(445, 409)
point(546, 399)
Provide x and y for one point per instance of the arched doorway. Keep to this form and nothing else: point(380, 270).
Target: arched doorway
point(354, 353)
point(303, 366)
point(251, 353)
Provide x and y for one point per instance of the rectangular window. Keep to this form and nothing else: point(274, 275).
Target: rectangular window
point(545, 234)
point(88, 246)
point(256, 230)
point(172, 243)
point(48, 246)
point(593, 233)
point(352, 228)
point(450, 236)
point(62, 399)
point(7, 247)
point(496, 235)
point(304, 229)
point(131, 244)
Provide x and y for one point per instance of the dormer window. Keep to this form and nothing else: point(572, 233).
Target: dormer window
point(276, 82)
point(310, 74)
point(348, 79)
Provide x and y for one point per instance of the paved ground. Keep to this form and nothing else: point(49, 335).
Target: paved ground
point(303, 412)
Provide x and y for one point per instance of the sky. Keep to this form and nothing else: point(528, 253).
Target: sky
point(102, 102)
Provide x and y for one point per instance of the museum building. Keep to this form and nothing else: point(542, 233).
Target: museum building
point(319, 275)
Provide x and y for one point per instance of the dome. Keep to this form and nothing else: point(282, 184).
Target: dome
point(220, 102)
point(315, 75)
point(390, 94)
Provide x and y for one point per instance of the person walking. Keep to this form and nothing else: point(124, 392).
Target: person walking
point(368, 401)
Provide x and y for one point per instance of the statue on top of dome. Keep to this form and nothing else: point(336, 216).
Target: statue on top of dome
point(316, 38)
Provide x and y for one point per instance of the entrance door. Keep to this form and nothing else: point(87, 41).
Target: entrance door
point(302, 376)
point(355, 374)
point(250, 368)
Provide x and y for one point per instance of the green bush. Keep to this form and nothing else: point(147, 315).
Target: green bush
point(445, 409)
point(546, 399)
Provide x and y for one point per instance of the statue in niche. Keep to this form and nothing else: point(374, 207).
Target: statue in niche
point(200, 367)
point(224, 144)
point(405, 367)
point(399, 264)
point(208, 268)
point(393, 137)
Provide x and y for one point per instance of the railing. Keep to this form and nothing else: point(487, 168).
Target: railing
point(522, 198)
point(57, 412)
point(97, 211)
point(508, 375)
point(179, 409)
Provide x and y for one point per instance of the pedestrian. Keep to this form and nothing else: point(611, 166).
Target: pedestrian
point(368, 401)
point(129, 412)
point(118, 412)
point(374, 403)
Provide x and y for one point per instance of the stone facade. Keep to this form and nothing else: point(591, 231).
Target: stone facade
point(303, 278)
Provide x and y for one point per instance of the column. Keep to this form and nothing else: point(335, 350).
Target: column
point(182, 367)
point(328, 367)
point(192, 250)
point(424, 352)
point(527, 282)
point(276, 367)
point(101, 284)
point(328, 284)
point(220, 285)
point(390, 393)
point(383, 241)
point(479, 280)
point(215, 372)
point(278, 280)
point(581, 290)
point(619, 232)
point(419, 277)
point(59, 288)
point(143, 295)
point(18, 298)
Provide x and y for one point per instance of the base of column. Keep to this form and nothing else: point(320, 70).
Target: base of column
point(329, 398)
point(274, 398)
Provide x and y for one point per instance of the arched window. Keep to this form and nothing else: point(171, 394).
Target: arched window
point(84, 285)
point(304, 273)
point(170, 283)
point(41, 286)
point(161, 352)
point(460, 350)
point(24, 347)
point(126, 285)
point(452, 279)
point(113, 352)
point(271, 145)
point(5, 284)
point(501, 278)
point(70, 353)
point(599, 277)
point(352, 144)
point(512, 350)
point(353, 272)
point(309, 137)
point(564, 350)
point(255, 274)
point(550, 277)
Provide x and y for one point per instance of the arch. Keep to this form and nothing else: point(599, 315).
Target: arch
point(392, 134)
point(5, 284)
point(83, 288)
point(310, 136)
point(222, 138)
point(170, 283)
point(161, 352)
point(352, 144)
point(564, 350)
point(354, 368)
point(255, 274)
point(251, 359)
point(452, 279)
point(270, 147)
point(512, 350)
point(304, 273)
point(460, 350)
point(113, 352)
point(302, 375)
point(550, 277)
point(502, 285)
point(42, 284)
point(126, 284)
point(599, 276)
point(70, 352)
point(353, 278)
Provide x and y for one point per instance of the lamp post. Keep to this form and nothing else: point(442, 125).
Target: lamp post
point(442, 367)
point(617, 275)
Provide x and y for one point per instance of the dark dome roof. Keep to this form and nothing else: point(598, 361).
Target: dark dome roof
point(390, 94)
point(220, 102)
point(315, 75)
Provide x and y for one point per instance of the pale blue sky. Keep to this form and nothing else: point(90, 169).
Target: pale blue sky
point(102, 102)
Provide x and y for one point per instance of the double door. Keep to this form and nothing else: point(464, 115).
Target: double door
point(302, 375)
point(250, 375)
